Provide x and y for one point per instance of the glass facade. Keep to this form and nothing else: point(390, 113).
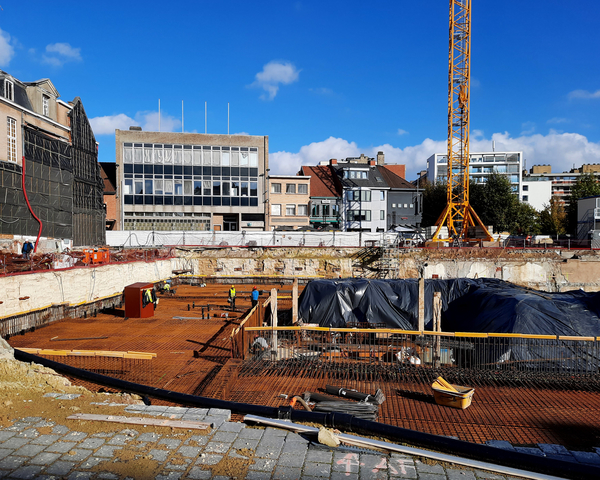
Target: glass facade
point(163, 174)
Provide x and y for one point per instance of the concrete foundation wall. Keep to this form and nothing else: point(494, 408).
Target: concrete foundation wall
point(78, 285)
point(552, 273)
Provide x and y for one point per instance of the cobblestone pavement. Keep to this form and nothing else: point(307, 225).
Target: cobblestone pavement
point(230, 450)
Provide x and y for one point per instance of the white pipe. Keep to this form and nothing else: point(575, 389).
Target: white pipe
point(392, 447)
point(159, 114)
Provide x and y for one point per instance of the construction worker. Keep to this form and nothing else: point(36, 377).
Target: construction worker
point(27, 249)
point(154, 298)
point(232, 297)
point(259, 344)
point(254, 297)
point(147, 297)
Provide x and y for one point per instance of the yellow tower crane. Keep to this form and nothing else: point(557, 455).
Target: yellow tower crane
point(459, 215)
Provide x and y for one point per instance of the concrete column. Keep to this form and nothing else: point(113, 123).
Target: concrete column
point(295, 302)
point(421, 324)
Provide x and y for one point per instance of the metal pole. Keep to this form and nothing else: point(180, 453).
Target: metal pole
point(182, 116)
point(227, 118)
point(205, 117)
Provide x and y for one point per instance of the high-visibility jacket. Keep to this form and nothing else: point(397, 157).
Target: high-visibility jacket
point(147, 298)
point(232, 292)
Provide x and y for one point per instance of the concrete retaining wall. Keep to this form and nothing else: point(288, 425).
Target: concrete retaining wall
point(35, 291)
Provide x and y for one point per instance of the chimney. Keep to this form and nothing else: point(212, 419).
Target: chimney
point(333, 161)
point(372, 162)
point(380, 158)
point(135, 128)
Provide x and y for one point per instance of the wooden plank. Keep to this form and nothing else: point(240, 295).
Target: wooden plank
point(157, 422)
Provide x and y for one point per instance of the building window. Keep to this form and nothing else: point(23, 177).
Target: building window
point(360, 174)
point(381, 214)
point(276, 210)
point(9, 90)
point(46, 105)
point(128, 188)
point(290, 210)
point(303, 188)
point(358, 215)
point(276, 188)
point(394, 205)
point(325, 210)
point(303, 210)
point(11, 130)
point(359, 195)
point(290, 188)
point(526, 198)
point(382, 196)
point(315, 210)
point(525, 188)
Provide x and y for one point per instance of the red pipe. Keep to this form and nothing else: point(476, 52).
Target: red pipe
point(31, 209)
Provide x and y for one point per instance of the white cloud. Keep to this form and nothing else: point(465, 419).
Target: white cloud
point(7, 51)
point(273, 74)
point(108, 124)
point(321, 91)
point(57, 54)
point(528, 128)
point(402, 132)
point(147, 120)
point(584, 94)
point(556, 120)
point(561, 150)
point(241, 133)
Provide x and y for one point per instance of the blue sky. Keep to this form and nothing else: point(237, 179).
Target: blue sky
point(324, 79)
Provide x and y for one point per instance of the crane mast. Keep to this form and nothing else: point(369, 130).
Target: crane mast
point(458, 215)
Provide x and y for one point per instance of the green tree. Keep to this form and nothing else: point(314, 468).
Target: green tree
point(525, 219)
point(434, 202)
point(586, 186)
point(494, 203)
point(498, 203)
point(553, 218)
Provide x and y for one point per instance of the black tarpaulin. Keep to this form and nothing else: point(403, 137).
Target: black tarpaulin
point(468, 305)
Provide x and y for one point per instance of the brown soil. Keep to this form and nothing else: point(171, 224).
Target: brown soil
point(22, 389)
point(233, 467)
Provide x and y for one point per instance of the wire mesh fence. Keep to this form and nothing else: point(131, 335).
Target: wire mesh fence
point(133, 367)
point(380, 354)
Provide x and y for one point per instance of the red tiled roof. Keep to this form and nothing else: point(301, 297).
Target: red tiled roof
point(399, 170)
point(322, 181)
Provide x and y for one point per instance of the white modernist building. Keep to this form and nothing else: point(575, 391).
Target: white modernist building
point(536, 192)
point(481, 165)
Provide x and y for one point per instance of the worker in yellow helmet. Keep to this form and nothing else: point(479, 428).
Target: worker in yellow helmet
point(232, 297)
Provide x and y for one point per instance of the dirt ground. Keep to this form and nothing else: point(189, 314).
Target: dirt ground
point(22, 389)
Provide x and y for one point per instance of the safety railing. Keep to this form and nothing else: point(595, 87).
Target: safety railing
point(322, 349)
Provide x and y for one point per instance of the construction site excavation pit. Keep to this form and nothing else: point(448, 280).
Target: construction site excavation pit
point(200, 347)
